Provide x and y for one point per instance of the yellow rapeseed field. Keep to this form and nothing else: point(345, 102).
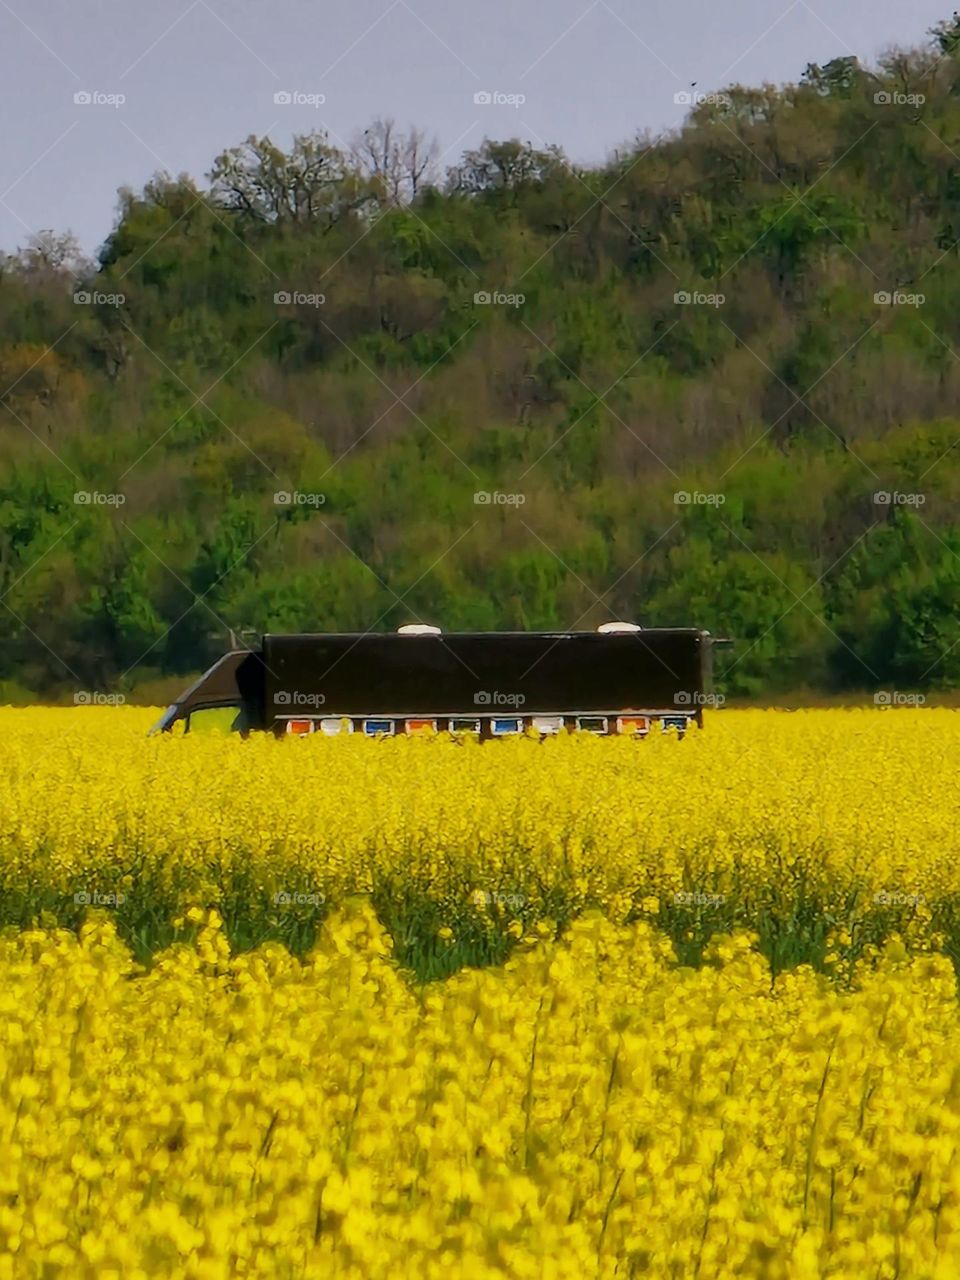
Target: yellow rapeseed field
point(589, 1111)
point(717, 1032)
point(764, 820)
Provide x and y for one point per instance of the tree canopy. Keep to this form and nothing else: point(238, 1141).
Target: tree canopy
point(710, 381)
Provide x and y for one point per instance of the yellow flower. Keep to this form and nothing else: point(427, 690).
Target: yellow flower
point(599, 1104)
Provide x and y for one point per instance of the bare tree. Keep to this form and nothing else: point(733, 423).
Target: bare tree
point(420, 160)
point(401, 164)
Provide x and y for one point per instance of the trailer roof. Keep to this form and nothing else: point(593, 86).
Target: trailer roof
point(477, 635)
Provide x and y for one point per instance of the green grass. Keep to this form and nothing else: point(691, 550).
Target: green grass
point(791, 929)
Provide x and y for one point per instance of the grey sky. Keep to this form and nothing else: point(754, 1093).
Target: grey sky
point(200, 75)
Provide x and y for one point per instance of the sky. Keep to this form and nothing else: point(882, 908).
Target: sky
point(98, 95)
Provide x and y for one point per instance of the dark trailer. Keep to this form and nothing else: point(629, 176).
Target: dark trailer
point(618, 679)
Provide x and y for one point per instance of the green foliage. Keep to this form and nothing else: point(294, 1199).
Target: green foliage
point(699, 315)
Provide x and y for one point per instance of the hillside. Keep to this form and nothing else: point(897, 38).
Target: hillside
point(713, 380)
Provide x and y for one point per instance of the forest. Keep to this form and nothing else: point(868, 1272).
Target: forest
point(712, 380)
